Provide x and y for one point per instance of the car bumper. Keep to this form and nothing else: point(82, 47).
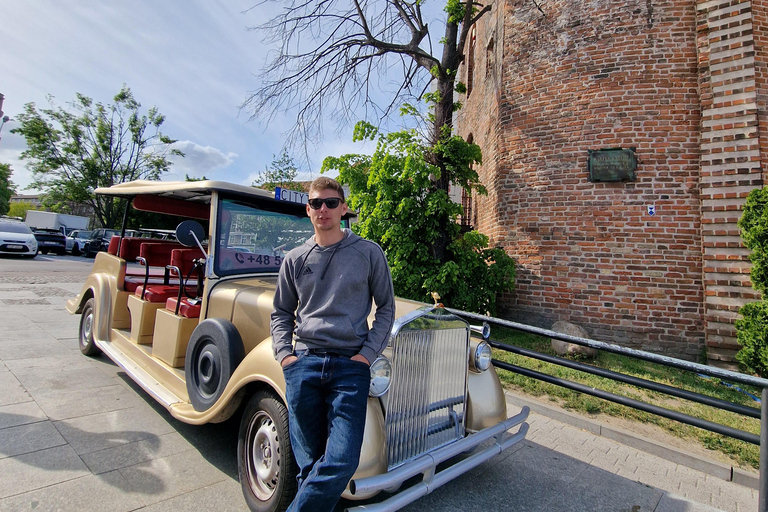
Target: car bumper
point(426, 465)
point(17, 248)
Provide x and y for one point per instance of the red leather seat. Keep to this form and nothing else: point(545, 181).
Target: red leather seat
point(186, 309)
point(162, 292)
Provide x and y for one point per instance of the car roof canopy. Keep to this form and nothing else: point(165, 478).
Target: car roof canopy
point(179, 193)
point(193, 198)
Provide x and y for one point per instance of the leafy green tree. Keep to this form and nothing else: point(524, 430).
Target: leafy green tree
point(73, 151)
point(7, 188)
point(187, 177)
point(281, 172)
point(402, 209)
point(20, 209)
point(752, 328)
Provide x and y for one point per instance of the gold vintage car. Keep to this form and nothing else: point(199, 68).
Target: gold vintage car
point(188, 320)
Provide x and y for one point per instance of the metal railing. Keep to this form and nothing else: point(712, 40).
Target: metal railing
point(762, 413)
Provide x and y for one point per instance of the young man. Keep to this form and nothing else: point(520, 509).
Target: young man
point(323, 298)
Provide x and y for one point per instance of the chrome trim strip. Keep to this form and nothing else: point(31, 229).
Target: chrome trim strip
point(427, 463)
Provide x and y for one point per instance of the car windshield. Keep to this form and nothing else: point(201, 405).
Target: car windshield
point(252, 240)
point(83, 234)
point(14, 227)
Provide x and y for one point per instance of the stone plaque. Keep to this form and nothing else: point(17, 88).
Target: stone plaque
point(615, 164)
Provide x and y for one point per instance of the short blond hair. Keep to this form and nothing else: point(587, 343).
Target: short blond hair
point(324, 183)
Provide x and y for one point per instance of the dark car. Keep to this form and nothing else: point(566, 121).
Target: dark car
point(99, 241)
point(51, 240)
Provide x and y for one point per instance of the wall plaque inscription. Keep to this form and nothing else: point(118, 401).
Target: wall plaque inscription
point(614, 164)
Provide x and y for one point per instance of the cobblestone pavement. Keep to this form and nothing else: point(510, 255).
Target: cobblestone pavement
point(77, 434)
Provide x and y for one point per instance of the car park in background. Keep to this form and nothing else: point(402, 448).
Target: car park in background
point(76, 241)
point(50, 240)
point(98, 241)
point(17, 238)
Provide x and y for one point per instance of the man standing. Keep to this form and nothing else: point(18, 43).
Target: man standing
point(323, 298)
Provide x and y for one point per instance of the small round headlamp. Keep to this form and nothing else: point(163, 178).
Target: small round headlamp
point(381, 371)
point(482, 357)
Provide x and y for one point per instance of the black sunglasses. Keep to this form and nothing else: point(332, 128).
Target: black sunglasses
point(330, 202)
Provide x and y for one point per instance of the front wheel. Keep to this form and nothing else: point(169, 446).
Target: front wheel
point(76, 250)
point(265, 461)
point(87, 344)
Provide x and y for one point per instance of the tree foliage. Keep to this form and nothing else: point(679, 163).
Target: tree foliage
point(20, 209)
point(7, 188)
point(72, 151)
point(281, 172)
point(752, 328)
point(400, 207)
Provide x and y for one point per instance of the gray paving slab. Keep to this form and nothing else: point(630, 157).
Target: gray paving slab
point(21, 413)
point(674, 503)
point(39, 469)
point(137, 452)
point(161, 479)
point(12, 390)
point(96, 432)
point(109, 492)
point(61, 405)
point(28, 438)
point(36, 380)
point(224, 496)
point(26, 347)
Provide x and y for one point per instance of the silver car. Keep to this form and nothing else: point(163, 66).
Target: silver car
point(76, 241)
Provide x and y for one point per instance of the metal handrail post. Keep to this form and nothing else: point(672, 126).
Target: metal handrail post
point(762, 501)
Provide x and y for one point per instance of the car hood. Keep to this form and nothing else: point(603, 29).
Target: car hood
point(7, 236)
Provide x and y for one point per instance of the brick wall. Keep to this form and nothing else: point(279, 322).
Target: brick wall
point(593, 75)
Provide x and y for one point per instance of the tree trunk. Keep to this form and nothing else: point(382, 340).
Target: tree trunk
point(446, 82)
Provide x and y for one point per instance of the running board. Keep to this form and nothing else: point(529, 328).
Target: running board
point(139, 375)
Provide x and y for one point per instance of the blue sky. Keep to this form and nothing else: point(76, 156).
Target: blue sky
point(195, 60)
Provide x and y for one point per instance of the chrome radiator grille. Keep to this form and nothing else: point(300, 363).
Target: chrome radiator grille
point(426, 400)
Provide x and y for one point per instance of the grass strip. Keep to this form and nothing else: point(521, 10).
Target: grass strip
point(740, 452)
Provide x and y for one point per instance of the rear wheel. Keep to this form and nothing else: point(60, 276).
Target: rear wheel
point(44, 251)
point(87, 345)
point(265, 461)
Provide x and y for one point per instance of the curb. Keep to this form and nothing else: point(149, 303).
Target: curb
point(633, 440)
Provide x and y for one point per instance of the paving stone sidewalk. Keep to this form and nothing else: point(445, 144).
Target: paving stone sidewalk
point(76, 434)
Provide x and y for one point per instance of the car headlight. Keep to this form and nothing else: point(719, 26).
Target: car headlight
point(381, 371)
point(481, 357)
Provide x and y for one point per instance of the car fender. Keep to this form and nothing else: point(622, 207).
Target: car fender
point(486, 403)
point(258, 366)
point(101, 284)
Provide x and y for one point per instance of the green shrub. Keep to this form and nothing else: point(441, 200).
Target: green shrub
point(400, 208)
point(752, 329)
point(752, 334)
point(754, 233)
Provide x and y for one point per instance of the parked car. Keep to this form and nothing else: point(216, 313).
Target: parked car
point(98, 241)
point(76, 241)
point(50, 240)
point(191, 326)
point(17, 238)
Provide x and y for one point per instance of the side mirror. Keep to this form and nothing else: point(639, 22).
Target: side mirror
point(189, 233)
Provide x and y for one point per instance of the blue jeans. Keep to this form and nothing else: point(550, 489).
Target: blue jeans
point(326, 398)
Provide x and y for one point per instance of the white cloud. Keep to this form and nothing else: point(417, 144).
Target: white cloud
point(199, 161)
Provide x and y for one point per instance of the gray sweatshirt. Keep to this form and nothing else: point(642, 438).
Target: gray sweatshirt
point(324, 295)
